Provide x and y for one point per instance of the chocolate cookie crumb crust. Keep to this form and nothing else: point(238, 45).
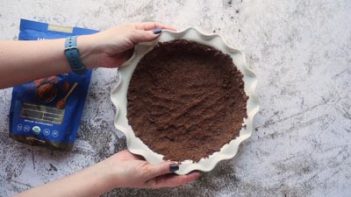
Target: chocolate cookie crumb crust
point(186, 100)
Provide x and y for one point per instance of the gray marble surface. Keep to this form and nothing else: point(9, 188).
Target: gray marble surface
point(301, 52)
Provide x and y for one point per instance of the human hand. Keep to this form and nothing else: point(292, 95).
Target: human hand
point(114, 46)
point(122, 170)
point(130, 171)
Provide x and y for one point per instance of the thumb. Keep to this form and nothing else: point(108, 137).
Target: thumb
point(162, 169)
point(144, 36)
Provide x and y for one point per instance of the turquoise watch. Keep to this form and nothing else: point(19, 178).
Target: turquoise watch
point(73, 56)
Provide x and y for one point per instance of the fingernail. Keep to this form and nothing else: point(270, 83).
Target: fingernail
point(173, 167)
point(157, 31)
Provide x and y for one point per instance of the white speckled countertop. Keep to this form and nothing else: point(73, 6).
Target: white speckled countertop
point(301, 52)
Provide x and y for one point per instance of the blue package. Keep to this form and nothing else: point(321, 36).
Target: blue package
point(48, 111)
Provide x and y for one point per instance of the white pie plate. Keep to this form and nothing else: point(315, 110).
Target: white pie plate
point(119, 99)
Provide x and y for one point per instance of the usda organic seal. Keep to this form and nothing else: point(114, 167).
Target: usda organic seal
point(36, 130)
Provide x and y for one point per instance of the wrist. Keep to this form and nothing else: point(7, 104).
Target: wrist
point(97, 179)
point(113, 173)
point(108, 176)
point(87, 49)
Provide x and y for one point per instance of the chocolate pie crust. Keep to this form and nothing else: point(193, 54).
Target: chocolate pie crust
point(186, 100)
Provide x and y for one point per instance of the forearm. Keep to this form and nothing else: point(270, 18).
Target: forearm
point(122, 170)
point(92, 181)
point(23, 61)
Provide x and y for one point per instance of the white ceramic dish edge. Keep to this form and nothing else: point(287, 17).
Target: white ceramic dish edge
point(119, 99)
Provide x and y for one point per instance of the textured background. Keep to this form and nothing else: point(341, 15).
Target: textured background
point(301, 52)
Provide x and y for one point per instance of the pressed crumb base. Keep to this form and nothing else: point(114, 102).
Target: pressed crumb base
point(186, 100)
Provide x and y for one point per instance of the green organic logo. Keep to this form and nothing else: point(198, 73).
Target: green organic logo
point(36, 130)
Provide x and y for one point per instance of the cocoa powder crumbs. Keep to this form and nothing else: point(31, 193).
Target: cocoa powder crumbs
point(186, 100)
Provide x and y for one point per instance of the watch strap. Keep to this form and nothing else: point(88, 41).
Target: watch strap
point(73, 56)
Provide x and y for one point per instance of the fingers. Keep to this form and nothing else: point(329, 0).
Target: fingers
point(143, 36)
point(153, 25)
point(173, 180)
point(159, 169)
point(148, 31)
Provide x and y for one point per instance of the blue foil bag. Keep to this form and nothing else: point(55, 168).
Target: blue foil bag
point(48, 111)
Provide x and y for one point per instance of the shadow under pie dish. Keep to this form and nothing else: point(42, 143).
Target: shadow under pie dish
point(186, 97)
